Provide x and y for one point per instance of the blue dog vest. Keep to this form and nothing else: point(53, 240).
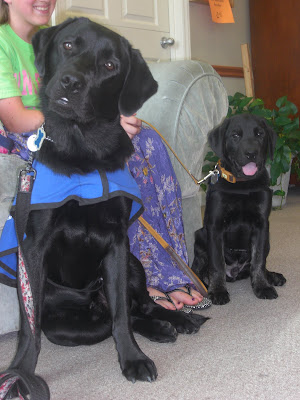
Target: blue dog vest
point(52, 190)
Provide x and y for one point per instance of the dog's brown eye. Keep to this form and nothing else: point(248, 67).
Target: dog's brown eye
point(109, 66)
point(67, 46)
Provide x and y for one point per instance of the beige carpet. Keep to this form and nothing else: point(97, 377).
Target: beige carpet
point(249, 350)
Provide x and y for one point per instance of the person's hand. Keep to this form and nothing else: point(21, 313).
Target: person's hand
point(131, 125)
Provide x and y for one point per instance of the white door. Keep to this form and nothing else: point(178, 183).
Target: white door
point(143, 22)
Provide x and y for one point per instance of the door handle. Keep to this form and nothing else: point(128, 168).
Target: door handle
point(165, 42)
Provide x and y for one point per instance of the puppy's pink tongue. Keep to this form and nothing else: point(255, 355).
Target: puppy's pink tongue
point(249, 169)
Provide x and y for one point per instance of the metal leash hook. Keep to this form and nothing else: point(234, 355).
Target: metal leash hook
point(214, 174)
point(25, 181)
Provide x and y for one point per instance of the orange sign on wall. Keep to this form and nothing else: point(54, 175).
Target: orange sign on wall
point(221, 11)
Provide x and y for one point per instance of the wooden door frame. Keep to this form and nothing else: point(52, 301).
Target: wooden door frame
point(179, 17)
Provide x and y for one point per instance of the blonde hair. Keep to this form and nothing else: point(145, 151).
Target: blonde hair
point(4, 12)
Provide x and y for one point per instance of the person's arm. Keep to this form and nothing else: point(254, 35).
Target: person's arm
point(16, 118)
point(131, 125)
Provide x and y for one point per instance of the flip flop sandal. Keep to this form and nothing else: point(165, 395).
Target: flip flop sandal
point(168, 298)
point(187, 286)
point(204, 303)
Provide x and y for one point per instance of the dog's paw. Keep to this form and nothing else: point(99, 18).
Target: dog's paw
point(219, 297)
point(140, 370)
point(275, 279)
point(188, 323)
point(268, 292)
point(155, 330)
point(165, 333)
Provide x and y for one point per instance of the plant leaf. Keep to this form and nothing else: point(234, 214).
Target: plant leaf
point(207, 167)
point(279, 142)
point(285, 111)
point(279, 193)
point(294, 134)
point(256, 103)
point(262, 112)
point(203, 187)
point(292, 107)
point(210, 156)
point(229, 113)
point(281, 101)
point(238, 95)
point(275, 172)
point(245, 101)
point(292, 126)
point(282, 120)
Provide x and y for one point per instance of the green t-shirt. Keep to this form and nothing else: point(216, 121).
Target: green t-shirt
point(18, 75)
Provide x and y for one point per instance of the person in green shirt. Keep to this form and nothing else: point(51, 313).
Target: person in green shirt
point(20, 20)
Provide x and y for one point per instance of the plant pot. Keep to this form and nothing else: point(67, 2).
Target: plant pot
point(282, 184)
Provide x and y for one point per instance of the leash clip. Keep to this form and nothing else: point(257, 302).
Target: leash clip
point(26, 178)
point(31, 172)
point(214, 174)
point(28, 171)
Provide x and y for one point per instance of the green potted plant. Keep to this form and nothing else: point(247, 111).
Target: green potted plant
point(284, 120)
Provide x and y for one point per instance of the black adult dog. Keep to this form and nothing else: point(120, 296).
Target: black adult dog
point(85, 283)
point(234, 240)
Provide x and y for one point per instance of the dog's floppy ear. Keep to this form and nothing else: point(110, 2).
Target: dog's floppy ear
point(41, 41)
point(216, 138)
point(139, 85)
point(272, 138)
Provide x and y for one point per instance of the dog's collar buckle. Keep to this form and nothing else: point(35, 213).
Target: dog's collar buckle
point(228, 176)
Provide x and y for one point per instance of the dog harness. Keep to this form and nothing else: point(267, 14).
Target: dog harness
point(52, 190)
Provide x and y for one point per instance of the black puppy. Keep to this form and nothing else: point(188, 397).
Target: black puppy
point(81, 283)
point(234, 240)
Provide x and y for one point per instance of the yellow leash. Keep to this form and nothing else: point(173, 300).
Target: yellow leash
point(176, 156)
point(199, 285)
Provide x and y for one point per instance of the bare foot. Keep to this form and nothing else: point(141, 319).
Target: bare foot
point(180, 297)
point(178, 305)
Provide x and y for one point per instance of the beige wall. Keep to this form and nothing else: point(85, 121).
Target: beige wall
point(220, 44)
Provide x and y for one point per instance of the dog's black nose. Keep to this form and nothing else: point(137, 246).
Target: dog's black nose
point(251, 155)
point(71, 83)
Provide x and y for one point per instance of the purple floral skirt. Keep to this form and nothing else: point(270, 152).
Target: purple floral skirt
point(151, 167)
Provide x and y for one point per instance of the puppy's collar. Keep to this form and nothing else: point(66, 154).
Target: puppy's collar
point(35, 141)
